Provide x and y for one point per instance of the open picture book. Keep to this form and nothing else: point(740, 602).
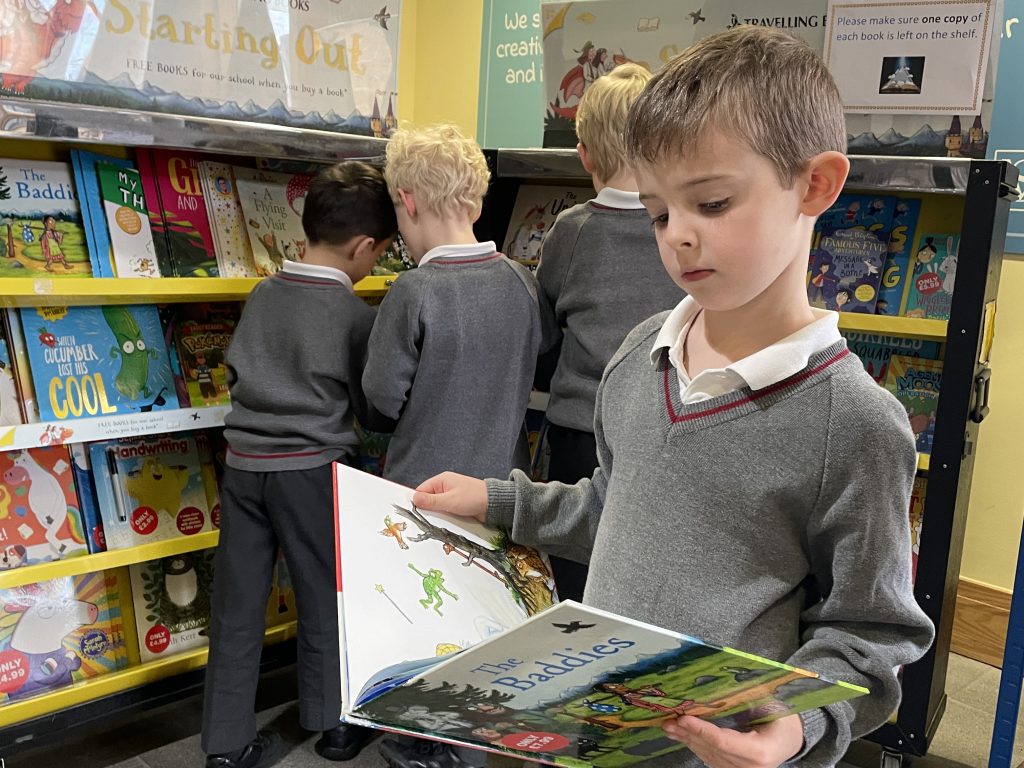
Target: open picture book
point(450, 631)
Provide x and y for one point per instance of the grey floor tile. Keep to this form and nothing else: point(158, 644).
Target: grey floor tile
point(134, 762)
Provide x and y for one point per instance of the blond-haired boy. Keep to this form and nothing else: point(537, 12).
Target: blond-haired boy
point(455, 342)
point(599, 276)
point(754, 481)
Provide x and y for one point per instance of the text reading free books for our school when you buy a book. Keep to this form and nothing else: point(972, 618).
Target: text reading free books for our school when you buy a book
point(451, 654)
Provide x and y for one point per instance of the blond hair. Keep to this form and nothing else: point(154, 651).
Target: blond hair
point(756, 84)
point(601, 117)
point(444, 169)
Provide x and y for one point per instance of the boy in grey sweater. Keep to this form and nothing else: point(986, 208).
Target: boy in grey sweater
point(599, 276)
point(753, 480)
point(455, 342)
point(294, 367)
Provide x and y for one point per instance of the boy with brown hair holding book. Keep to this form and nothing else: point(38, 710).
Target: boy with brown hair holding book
point(294, 370)
point(599, 276)
point(754, 481)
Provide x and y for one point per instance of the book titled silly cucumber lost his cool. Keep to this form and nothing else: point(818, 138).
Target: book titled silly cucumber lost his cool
point(97, 361)
point(466, 647)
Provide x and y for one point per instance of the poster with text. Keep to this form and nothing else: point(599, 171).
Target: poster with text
point(300, 63)
point(511, 75)
point(1007, 141)
point(916, 57)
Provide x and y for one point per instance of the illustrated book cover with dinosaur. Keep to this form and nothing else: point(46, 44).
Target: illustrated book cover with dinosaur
point(578, 686)
point(59, 632)
point(97, 361)
point(537, 206)
point(40, 516)
point(41, 232)
point(172, 603)
point(272, 205)
point(433, 585)
point(150, 489)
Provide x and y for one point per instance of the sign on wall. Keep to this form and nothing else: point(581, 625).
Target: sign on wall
point(328, 64)
point(1007, 141)
point(511, 75)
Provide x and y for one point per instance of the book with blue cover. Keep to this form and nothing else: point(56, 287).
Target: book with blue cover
point(94, 218)
point(897, 260)
point(97, 361)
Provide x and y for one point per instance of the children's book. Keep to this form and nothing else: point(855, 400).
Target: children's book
point(281, 605)
point(916, 383)
point(88, 503)
point(172, 603)
point(207, 447)
point(157, 225)
point(230, 239)
point(930, 293)
point(201, 348)
point(897, 259)
point(10, 403)
point(59, 632)
point(464, 646)
point(851, 242)
point(41, 232)
point(875, 351)
point(179, 200)
point(20, 368)
point(127, 219)
point(149, 489)
point(394, 259)
point(98, 361)
point(40, 518)
point(917, 496)
point(87, 182)
point(372, 450)
point(272, 205)
point(535, 211)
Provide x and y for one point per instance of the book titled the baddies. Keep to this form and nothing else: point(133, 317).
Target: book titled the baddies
point(447, 634)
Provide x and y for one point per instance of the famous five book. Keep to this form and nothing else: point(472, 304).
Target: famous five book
point(451, 631)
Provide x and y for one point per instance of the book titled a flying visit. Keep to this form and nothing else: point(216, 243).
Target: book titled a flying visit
point(450, 631)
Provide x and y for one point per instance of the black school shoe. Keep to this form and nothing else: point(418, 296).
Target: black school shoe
point(258, 753)
point(343, 742)
point(420, 753)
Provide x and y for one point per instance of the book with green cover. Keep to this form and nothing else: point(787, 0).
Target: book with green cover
point(131, 240)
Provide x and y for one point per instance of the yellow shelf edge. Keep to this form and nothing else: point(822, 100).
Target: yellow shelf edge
point(886, 325)
point(923, 462)
point(102, 561)
point(39, 292)
point(122, 680)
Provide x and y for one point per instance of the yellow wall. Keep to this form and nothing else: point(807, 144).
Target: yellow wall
point(997, 498)
point(439, 67)
point(439, 81)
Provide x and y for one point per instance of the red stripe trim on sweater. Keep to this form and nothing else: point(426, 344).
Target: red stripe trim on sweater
point(604, 207)
point(752, 397)
point(313, 281)
point(272, 456)
point(443, 260)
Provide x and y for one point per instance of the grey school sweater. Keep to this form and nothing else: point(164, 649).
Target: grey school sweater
point(452, 356)
point(599, 275)
point(294, 368)
point(725, 519)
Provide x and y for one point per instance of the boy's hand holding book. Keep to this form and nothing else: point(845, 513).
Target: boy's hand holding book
point(763, 746)
point(453, 494)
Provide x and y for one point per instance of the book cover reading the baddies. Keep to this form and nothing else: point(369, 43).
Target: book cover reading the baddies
point(150, 489)
point(41, 230)
point(848, 253)
point(60, 632)
point(97, 361)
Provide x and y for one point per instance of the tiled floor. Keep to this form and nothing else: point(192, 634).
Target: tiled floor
point(166, 737)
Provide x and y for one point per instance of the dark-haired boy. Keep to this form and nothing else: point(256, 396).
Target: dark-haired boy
point(294, 368)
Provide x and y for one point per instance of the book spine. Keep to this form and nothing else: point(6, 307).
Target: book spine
point(154, 205)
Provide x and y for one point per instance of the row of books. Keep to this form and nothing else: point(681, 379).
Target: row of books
point(60, 363)
point(63, 631)
point(868, 255)
point(167, 213)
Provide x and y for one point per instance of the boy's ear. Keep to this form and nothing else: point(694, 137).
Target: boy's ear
point(365, 245)
point(588, 165)
point(824, 177)
point(409, 201)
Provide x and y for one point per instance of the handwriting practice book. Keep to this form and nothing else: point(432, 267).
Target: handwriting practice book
point(448, 651)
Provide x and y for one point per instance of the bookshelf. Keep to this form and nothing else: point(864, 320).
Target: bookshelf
point(979, 192)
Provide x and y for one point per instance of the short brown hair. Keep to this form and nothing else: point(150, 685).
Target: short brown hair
point(347, 200)
point(756, 84)
point(601, 117)
point(447, 171)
